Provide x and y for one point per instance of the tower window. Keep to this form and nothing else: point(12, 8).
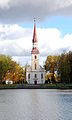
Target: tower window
point(35, 66)
point(28, 76)
point(35, 57)
point(35, 75)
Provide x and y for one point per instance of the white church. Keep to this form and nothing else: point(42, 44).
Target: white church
point(35, 74)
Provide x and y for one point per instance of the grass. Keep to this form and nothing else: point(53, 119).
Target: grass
point(42, 86)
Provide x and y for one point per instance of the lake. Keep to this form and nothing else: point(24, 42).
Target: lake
point(35, 104)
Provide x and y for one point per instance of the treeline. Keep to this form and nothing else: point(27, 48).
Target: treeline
point(9, 69)
point(61, 65)
point(58, 69)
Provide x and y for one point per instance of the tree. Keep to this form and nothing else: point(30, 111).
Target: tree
point(51, 63)
point(64, 67)
point(62, 64)
point(70, 63)
point(9, 69)
point(3, 67)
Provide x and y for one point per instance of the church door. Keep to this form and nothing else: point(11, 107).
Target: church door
point(35, 82)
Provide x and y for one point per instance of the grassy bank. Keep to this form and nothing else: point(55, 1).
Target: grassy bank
point(44, 86)
point(59, 86)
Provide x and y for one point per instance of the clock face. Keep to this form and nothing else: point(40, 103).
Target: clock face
point(35, 57)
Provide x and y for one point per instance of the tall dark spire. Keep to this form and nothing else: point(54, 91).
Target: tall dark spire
point(34, 34)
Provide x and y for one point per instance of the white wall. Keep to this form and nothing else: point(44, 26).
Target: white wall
point(32, 77)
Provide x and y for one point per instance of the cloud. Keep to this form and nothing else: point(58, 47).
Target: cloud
point(12, 32)
point(4, 3)
point(16, 11)
point(17, 41)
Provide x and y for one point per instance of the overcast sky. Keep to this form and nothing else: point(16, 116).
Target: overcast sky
point(53, 21)
point(16, 11)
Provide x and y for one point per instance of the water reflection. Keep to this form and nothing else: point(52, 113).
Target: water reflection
point(35, 104)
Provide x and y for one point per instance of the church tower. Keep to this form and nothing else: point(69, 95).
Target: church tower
point(35, 74)
point(35, 51)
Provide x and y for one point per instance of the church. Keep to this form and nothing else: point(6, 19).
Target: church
point(35, 74)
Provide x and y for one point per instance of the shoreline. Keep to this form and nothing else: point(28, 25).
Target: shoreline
point(40, 86)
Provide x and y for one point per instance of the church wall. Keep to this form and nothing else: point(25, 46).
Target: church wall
point(32, 77)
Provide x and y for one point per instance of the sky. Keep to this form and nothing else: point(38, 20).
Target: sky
point(53, 22)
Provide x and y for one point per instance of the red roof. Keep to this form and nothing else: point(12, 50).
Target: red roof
point(34, 34)
point(35, 51)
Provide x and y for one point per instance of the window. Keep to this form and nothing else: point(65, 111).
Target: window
point(35, 75)
point(28, 76)
point(35, 57)
point(35, 66)
point(42, 76)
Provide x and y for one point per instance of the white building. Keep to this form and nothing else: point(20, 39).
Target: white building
point(8, 81)
point(35, 74)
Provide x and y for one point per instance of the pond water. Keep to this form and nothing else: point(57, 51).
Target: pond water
point(35, 104)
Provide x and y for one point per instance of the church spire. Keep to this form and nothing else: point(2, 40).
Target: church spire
point(34, 34)
point(34, 41)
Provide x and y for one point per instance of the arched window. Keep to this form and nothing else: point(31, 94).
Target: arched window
point(35, 57)
point(28, 76)
point(35, 66)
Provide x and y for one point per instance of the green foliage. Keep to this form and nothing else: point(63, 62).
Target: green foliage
point(64, 67)
point(3, 66)
point(62, 64)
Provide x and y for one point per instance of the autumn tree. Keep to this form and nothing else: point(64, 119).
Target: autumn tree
point(62, 64)
point(51, 65)
point(9, 69)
